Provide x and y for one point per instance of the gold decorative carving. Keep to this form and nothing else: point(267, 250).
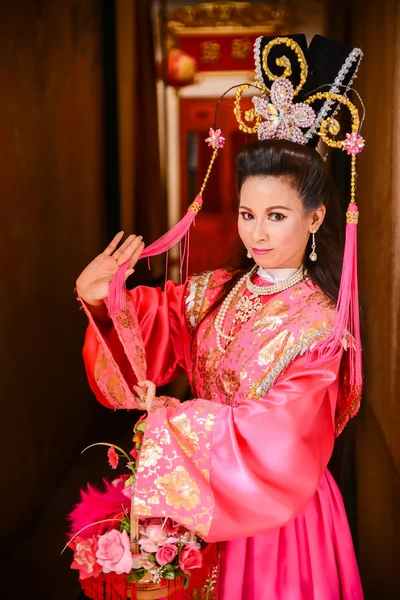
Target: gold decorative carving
point(210, 52)
point(241, 49)
point(227, 17)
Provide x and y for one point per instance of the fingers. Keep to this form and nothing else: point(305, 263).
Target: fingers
point(128, 273)
point(146, 393)
point(113, 244)
point(140, 392)
point(123, 247)
point(136, 255)
point(148, 386)
point(132, 249)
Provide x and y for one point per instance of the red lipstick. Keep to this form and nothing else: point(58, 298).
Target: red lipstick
point(260, 251)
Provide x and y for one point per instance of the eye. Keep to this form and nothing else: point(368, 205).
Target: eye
point(246, 215)
point(276, 216)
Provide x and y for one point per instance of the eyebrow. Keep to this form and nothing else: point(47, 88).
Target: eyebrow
point(269, 208)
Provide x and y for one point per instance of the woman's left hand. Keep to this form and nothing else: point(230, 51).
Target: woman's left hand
point(145, 394)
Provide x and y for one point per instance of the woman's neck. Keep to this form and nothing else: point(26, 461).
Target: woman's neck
point(275, 275)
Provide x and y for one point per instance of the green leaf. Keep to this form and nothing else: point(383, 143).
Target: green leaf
point(168, 575)
point(141, 426)
point(168, 567)
point(179, 572)
point(186, 582)
point(125, 524)
point(126, 527)
point(136, 574)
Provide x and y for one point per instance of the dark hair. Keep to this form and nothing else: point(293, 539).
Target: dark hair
point(304, 169)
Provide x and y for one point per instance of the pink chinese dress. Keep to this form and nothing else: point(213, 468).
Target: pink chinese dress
point(244, 462)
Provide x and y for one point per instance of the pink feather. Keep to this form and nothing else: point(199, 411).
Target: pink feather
point(96, 505)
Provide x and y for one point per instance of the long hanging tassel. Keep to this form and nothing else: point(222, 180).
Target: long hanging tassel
point(117, 290)
point(108, 586)
point(116, 296)
point(346, 326)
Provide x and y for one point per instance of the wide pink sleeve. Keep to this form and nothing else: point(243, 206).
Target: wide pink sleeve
point(233, 472)
point(106, 351)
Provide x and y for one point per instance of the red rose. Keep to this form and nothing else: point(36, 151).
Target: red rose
point(85, 557)
point(171, 527)
point(190, 558)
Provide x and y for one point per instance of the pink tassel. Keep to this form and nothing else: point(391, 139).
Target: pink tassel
point(116, 296)
point(346, 326)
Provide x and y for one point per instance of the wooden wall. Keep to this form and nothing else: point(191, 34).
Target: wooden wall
point(375, 27)
point(52, 223)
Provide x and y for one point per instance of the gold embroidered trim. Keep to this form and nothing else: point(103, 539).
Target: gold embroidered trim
point(352, 410)
point(261, 387)
point(194, 300)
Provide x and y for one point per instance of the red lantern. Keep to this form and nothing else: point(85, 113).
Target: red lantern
point(181, 69)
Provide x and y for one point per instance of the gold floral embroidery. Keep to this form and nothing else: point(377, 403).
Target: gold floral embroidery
point(187, 521)
point(153, 499)
point(209, 424)
point(166, 439)
point(269, 352)
point(320, 299)
point(179, 489)
point(101, 364)
point(297, 291)
point(228, 382)
point(115, 390)
point(140, 357)
point(271, 316)
point(202, 530)
point(206, 474)
point(207, 363)
point(140, 508)
point(186, 437)
point(124, 318)
point(201, 408)
point(150, 454)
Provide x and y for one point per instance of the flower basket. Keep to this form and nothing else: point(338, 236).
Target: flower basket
point(119, 557)
point(202, 585)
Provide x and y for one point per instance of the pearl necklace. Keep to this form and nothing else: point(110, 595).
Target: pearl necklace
point(267, 290)
point(256, 290)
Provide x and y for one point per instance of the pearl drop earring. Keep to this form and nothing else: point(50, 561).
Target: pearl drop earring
point(313, 255)
point(248, 254)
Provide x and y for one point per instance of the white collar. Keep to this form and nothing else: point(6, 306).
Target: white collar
point(275, 275)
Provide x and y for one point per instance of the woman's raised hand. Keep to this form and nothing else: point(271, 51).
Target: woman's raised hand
point(93, 283)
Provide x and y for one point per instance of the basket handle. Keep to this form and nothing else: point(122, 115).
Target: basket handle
point(134, 535)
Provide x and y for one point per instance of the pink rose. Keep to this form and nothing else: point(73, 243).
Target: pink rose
point(154, 535)
point(147, 564)
point(166, 554)
point(85, 557)
point(114, 553)
point(190, 558)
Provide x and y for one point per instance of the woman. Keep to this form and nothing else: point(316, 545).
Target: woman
point(244, 462)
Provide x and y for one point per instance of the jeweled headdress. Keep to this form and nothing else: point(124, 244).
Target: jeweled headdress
point(298, 103)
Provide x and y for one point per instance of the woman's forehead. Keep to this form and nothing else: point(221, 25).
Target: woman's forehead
point(263, 192)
